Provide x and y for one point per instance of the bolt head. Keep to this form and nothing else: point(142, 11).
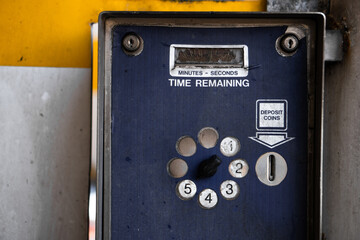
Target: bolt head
point(289, 43)
point(131, 43)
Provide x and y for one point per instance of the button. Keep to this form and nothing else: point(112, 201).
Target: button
point(186, 189)
point(238, 168)
point(186, 146)
point(229, 189)
point(230, 146)
point(177, 168)
point(208, 137)
point(208, 199)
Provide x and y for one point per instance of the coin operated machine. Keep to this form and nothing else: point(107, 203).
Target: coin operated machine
point(210, 126)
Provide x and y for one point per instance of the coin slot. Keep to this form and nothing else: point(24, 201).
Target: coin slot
point(186, 146)
point(208, 137)
point(271, 168)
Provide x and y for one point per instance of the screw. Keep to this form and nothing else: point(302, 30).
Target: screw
point(131, 42)
point(289, 43)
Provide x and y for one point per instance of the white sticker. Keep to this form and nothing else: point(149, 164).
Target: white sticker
point(271, 114)
point(229, 189)
point(238, 168)
point(186, 189)
point(208, 199)
point(271, 122)
point(229, 146)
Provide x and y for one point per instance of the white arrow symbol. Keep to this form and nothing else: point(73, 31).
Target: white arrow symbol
point(271, 139)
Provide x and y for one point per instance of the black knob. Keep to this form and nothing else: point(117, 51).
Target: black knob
point(208, 167)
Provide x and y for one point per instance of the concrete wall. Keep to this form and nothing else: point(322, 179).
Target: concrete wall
point(45, 152)
point(342, 133)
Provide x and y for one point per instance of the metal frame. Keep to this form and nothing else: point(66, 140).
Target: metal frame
point(315, 25)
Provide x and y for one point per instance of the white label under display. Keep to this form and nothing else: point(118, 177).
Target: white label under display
point(271, 114)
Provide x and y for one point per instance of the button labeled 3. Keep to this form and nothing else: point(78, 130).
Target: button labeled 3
point(229, 189)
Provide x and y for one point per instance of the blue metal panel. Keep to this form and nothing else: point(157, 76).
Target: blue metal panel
point(148, 116)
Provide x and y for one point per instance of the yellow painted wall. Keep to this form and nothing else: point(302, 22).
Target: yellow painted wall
point(57, 33)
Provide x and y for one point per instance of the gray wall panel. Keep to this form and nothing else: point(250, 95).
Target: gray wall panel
point(342, 134)
point(44, 152)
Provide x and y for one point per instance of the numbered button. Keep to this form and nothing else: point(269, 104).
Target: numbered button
point(229, 189)
point(208, 199)
point(186, 189)
point(229, 146)
point(238, 168)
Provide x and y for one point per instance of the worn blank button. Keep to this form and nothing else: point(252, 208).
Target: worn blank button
point(177, 168)
point(186, 146)
point(208, 137)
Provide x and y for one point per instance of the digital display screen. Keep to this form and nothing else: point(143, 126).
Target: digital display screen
point(210, 56)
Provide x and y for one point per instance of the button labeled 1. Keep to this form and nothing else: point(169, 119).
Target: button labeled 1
point(229, 146)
